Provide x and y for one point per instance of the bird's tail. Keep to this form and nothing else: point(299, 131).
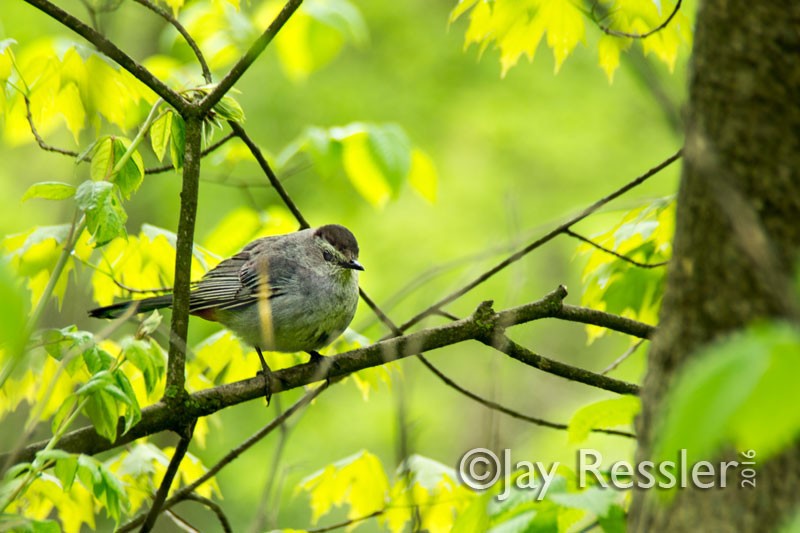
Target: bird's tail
point(142, 306)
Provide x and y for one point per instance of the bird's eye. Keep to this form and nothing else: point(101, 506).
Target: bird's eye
point(327, 255)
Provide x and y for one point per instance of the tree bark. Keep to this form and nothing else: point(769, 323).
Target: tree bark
point(737, 240)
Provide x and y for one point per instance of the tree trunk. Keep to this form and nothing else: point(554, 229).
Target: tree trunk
point(736, 242)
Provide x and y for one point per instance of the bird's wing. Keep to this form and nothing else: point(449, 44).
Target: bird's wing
point(237, 281)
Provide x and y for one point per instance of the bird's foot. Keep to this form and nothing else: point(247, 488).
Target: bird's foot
point(315, 357)
point(323, 362)
point(267, 373)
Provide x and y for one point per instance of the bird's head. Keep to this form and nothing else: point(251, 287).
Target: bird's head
point(337, 246)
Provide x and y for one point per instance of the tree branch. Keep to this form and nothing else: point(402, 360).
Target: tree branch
point(169, 476)
point(585, 315)
point(481, 325)
point(213, 507)
point(539, 242)
point(112, 51)
point(249, 57)
point(616, 33)
point(520, 353)
point(179, 328)
point(238, 130)
point(39, 140)
point(166, 15)
point(505, 410)
point(233, 454)
point(208, 150)
point(612, 252)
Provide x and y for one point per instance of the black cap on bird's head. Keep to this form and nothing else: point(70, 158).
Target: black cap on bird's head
point(343, 242)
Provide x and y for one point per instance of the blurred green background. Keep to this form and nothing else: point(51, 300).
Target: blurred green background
point(514, 157)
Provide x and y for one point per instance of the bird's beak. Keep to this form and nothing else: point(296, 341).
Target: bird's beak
point(353, 264)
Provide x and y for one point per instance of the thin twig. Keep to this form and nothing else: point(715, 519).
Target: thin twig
point(520, 353)
point(208, 150)
point(505, 410)
point(617, 33)
point(169, 476)
point(39, 140)
point(263, 507)
point(540, 241)
point(181, 522)
point(115, 53)
point(239, 131)
point(214, 507)
point(236, 452)
point(166, 15)
point(612, 252)
point(346, 523)
point(618, 361)
point(222, 88)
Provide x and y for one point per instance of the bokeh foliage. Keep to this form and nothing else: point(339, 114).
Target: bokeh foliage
point(425, 167)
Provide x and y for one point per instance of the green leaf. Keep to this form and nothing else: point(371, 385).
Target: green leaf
point(229, 109)
point(603, 414)
point(103, 159)
point(105, 217)
point(145, 356)
point(64, 410)
point(422, 176)
point(596, 500)
point(131, 174)
point(340, 15)
point(13, 314)
point(178, 141)
point(66, 470)
point(102, 411)
point(391, 150)
point(133, 413)
point(474, 517)
point(21, 524)
point(735, 391)
point(358, 480)
point(97, 360)
point(49, 190)
point(614, 521)
point(161, 134)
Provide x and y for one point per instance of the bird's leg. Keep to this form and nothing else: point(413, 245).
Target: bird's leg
point(315, 357)
point(267, 373)
point(324, 365)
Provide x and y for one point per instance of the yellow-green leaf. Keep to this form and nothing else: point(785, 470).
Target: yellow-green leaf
point(362, 170)
point(423, 177)
point(160, 133)
point(358, 481)
point(49, 190)
point(103, 159)
point(565, 27)
point(603, 414)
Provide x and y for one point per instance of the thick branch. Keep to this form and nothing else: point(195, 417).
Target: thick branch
point(183, 261)
point(249, 57)
point(480, 325)
point(585, 315)
point(111, 50)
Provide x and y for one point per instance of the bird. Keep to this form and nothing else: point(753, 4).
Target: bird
point(287, 293)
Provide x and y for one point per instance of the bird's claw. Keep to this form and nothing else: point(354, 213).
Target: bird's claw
point(267, 373)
